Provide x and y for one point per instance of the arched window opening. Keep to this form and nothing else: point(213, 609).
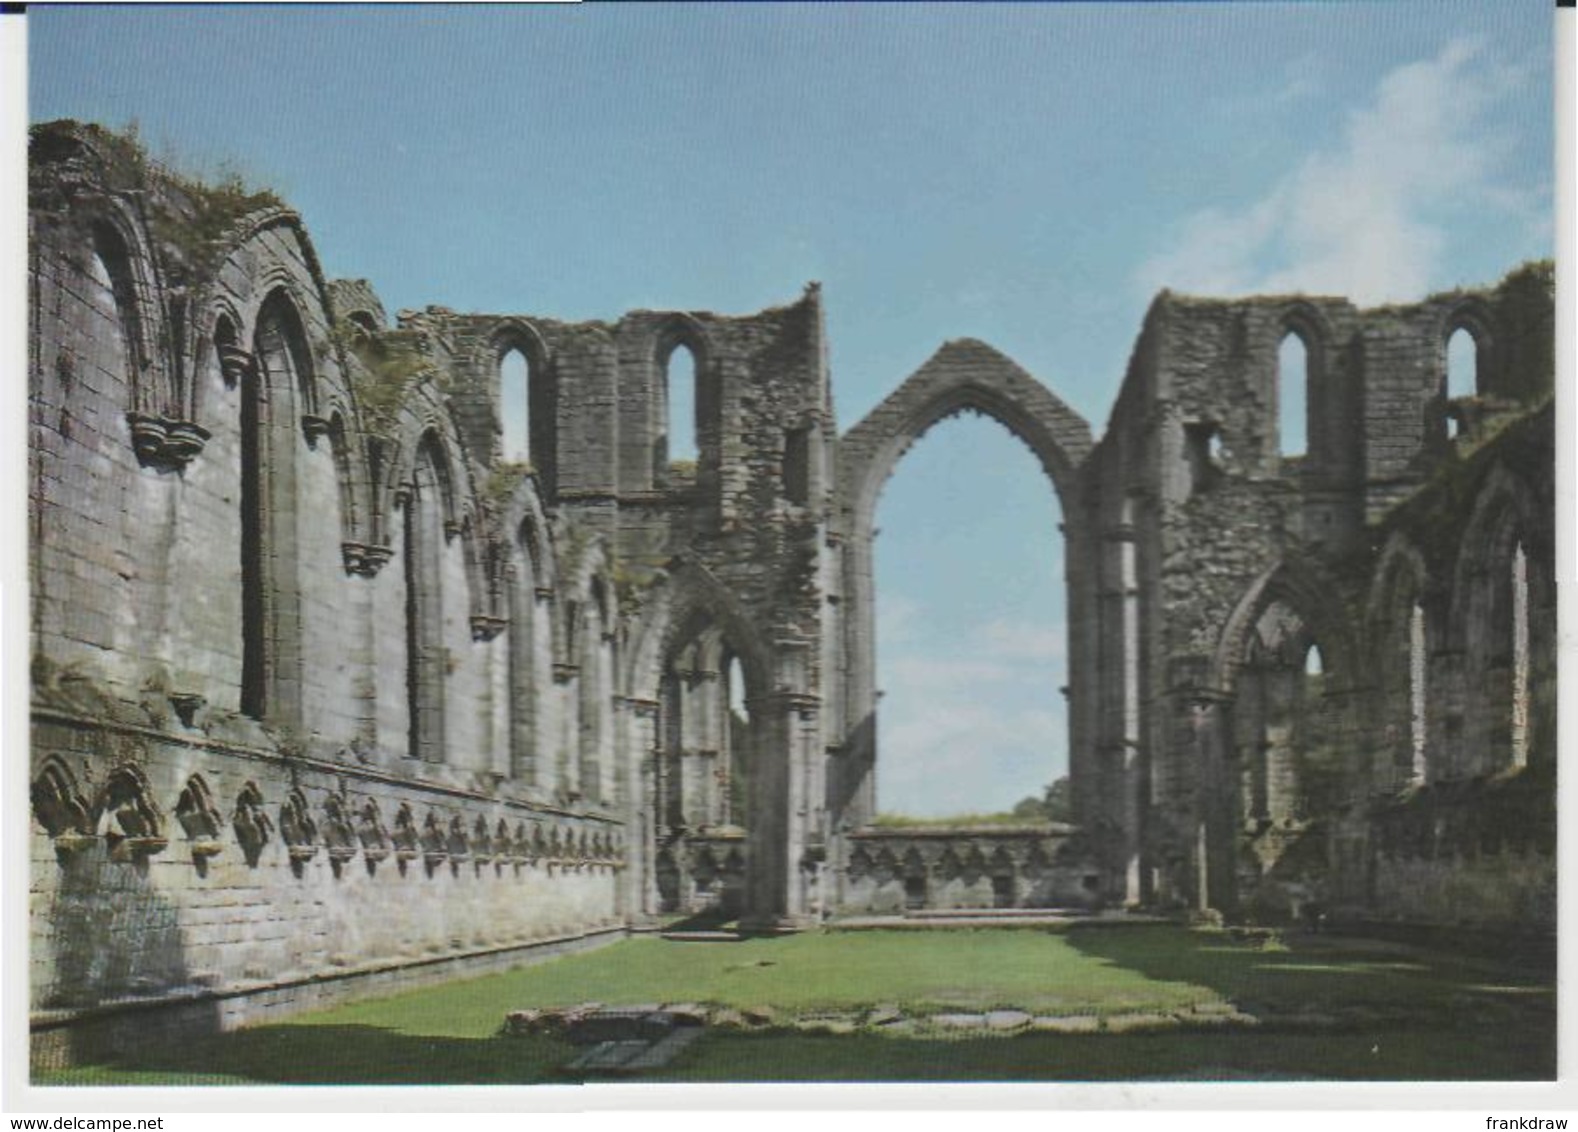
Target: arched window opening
point(701, 800)
point(106, 306)
point(282, 346)
point(254, 586)
point(1462, 364)
point(970, 646)
point(1462, 371)
point(1520, 657)
point(110, 268)
point(1416, 689)
point(425, 653)
point(1293, 395)
point(515, 406)
point(680, 381)
point(1283, 737)
point(524, 649)
point(737, 733)
point(270, 589)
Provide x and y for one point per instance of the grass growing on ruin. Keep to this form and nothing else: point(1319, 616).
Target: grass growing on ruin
point(1461, 1020)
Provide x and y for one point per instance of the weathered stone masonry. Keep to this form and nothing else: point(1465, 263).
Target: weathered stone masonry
point(329, 694)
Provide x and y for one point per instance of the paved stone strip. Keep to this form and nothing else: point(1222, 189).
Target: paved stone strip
point(648, 1035)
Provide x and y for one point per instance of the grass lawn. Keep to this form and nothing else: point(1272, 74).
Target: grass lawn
point(1433, 1017)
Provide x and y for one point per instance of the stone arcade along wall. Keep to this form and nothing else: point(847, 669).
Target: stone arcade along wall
point(331, 690)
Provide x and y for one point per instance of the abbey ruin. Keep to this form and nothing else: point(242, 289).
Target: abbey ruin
point(328, 695)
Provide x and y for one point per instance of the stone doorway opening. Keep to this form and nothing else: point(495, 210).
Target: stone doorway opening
point(706, 740)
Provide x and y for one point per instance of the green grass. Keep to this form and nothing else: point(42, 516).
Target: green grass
point(1461, 1020)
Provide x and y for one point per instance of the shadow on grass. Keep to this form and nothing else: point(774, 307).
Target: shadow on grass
point(1293, 972)
point(1394, 1014)
point(367, 1055)
point(707, 920)
point(337, 1055)
point(1367, 1055)
point(1358, 985)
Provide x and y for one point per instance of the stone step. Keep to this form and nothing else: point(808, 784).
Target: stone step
point(607, 1057)
point(664, 1050)
point(620, 1057)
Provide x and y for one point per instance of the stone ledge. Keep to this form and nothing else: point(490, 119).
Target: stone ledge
point(61, 1038)
point(40, 714)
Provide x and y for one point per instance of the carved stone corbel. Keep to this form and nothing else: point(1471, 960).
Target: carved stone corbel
point(235, 363)
point(165, 443)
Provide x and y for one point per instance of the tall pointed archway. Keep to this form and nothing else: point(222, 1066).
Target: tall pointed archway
point(962, 376)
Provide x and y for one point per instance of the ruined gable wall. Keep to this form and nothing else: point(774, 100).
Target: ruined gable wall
point(1214, 520)
point(759, 380)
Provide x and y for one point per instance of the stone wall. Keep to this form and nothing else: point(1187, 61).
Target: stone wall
point(325, 687)
point(305, 642)
point(893, 870)
point(1257, 576)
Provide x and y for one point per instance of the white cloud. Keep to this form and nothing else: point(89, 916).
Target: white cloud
point(951, 754)
point(1365, 218)
point(999, 652)
point(974, 726)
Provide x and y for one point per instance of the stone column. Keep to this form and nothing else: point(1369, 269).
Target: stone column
point(766, 898)
point(1116, 611)
point(1445, 705)
point(857, 785)
point(1344, 708)
point(638, 884)
point(701, 750)
point(786, 736)
point(1215, 884)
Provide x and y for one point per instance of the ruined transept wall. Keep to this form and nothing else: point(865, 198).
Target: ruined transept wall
point(1214, 525)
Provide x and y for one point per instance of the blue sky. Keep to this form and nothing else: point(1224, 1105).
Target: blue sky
point(1029, 175)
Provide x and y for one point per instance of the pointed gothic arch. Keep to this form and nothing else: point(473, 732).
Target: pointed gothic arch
point(962, 376)
point(1402, 632)
point(677, 331)
point(1503, 603)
